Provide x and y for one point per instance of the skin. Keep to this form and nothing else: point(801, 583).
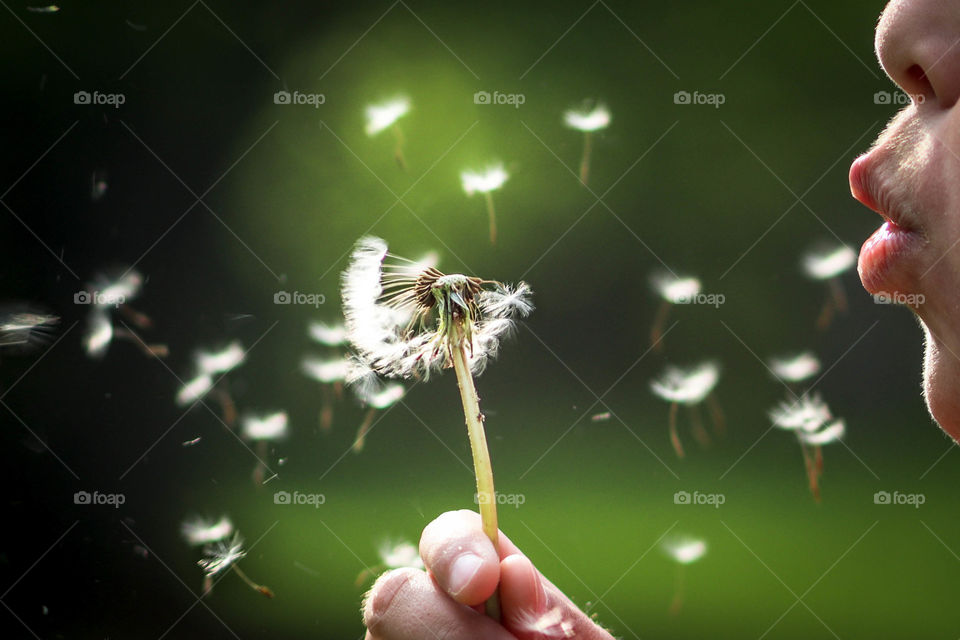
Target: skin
point(407, 604)
point(914, 169)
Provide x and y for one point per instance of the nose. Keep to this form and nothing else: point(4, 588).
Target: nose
point(918, 44)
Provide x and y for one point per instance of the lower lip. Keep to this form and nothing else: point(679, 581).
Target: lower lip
point(885, 258)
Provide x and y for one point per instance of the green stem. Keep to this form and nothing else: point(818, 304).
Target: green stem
point(481, 460)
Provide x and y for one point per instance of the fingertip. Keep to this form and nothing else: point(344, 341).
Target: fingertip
point(460, 557)
point(521, 590)
point(382, 594)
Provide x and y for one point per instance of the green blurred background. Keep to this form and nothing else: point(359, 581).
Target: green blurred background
point(734, 195)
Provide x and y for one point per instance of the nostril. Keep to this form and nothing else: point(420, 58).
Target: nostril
point(919, 84)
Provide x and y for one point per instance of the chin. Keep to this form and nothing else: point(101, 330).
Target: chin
point(941, 382)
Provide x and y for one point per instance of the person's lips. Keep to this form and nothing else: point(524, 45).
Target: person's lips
point(886, 256)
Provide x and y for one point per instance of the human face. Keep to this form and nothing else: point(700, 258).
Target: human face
point(911, 176)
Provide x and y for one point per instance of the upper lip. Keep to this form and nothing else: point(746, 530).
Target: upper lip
point(868, 186)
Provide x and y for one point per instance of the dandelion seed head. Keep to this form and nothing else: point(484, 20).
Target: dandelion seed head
point(685, 550)
point(330, 335)
point(193, 390)
point(99, 333)
point(587, 119)
point(795, 368)
point(490, 179)
point(399, 555)
point(220, 555)
point(271, 426)
point(404, 318)
point(822, 265)
point(325, 371)
point(199, 531)
point(808, 414)
point(213, 362)
point(382, 115)
point(550, 624)
point(687, 386)
point(674, 289)
point(831, 432)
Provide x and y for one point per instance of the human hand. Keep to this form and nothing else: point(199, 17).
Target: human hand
point(462, 571)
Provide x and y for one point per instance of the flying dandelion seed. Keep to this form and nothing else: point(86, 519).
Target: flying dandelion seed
point(687, 387)
point(795, 368)
point(399, 554)
point(674, 290)
point(208, 364)
point(263, 429)
point(485, 182)
point(98, 185)
point(376, 401)
point(587, 121)
point(50, 8)
point(329, 335)
point(99, 333)
point(810, 418)
point(405, 321)
point(199, 531)
point(385, 114)
point(544, 625)
point(829, 265)
point(22, 330)
point(221, 555)
point(330, 373)
point(683, 551)
point(113, 293)
point(600, 417)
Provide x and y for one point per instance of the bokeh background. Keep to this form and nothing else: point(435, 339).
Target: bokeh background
point(222, 198)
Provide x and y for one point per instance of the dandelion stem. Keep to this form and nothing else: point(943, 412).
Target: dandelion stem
point(585, 158)
point(677, 603)
point(481, 458)
point(398, 150)
point(492, 215)
point(364, 429)
point(699, 431)
point(656, 331)
point(716, 415)
point(674, 436)
point(838, 294)
point(259, 588)
point(326, 407)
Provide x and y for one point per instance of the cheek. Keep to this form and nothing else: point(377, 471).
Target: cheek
point(941, 379)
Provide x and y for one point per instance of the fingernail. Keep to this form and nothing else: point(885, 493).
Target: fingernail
point(462, 572)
